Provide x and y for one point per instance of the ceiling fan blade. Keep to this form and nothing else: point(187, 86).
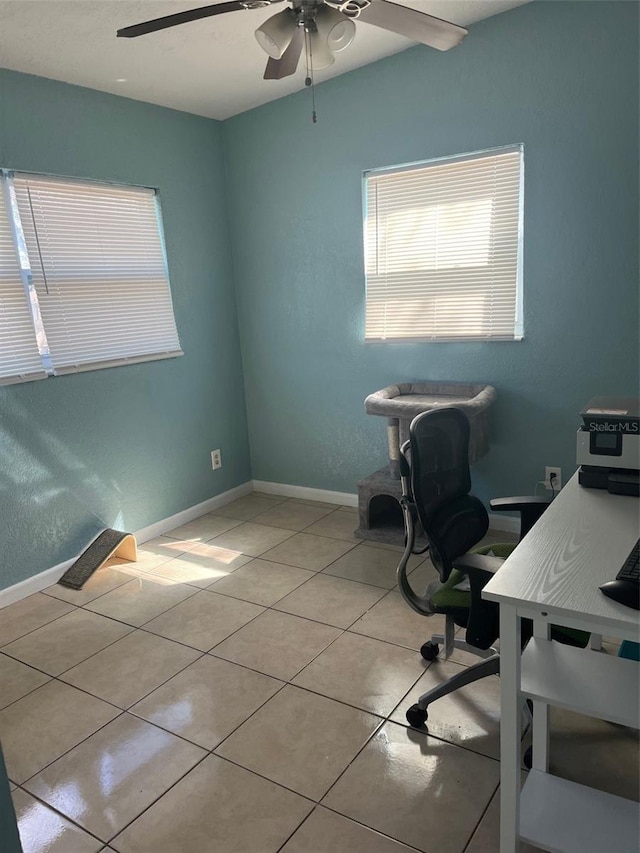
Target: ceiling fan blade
point(415, 25)
point(286, 66)
point(189, 15)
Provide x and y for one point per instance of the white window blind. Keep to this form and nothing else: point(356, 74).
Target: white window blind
point(443, 244)
point(99, 271)
point(19, 355)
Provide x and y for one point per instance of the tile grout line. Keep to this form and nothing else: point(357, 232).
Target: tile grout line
point(112, 837)
point(383, 719)
point(297, 828)
point(64, 671)
point(142, 626)
point(44, 625)
point(283, 684)
point(84, 660)
point(128, 709)
point(270, 607)
point(133, 580)
point(364, 825)
point(481, 818)
point(33, 689)
point(425, 734)
point(208, 753)
point(93, 654)
point(61, 814)
point(86, 609)
point(67, 751)
point(122, 711)
point(213, 753)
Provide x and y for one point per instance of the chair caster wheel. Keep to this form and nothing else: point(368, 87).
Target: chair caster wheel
point(417, 716)
point(429, 650)
point(527, 758)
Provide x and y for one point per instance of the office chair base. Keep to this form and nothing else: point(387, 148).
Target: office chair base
point(458, 643)
point(430, 650)
point(417, 714)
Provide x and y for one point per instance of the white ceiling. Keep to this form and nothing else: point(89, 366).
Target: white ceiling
point(211, 67)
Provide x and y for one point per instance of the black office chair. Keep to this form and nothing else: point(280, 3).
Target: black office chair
point(434, 468)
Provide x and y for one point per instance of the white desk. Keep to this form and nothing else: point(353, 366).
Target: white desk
point(552, 577)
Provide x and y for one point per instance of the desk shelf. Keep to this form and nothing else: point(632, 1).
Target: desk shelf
point(582, 680)
point(563, 817)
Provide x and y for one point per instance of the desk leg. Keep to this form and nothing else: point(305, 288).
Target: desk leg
point(540, 725)
point(510, 729)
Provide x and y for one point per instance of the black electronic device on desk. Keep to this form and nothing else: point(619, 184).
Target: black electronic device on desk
point(625, 589)
point(608, 445)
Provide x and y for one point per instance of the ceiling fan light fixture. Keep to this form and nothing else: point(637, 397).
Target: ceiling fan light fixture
point(338, 30)
point(275, 35)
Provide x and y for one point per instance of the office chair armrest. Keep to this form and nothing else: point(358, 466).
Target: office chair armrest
point(482, 621)
point(526, 501)
point(478, 562)
point(529, 507)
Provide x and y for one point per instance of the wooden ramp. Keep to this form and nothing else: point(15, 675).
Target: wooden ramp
point(109, 543)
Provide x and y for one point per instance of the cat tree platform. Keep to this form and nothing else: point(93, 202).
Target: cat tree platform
point(380, 517)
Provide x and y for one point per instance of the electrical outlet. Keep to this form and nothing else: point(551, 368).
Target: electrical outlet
point(557, 480)
point(216, 459)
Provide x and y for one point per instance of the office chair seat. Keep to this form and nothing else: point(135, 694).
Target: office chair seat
point(448, 599)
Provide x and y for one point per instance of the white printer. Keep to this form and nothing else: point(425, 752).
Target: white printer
point(608, 445)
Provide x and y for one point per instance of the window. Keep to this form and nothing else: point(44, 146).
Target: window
point(83, 277)
point(443, 249)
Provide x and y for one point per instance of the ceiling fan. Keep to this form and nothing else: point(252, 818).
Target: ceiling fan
point(323, 27)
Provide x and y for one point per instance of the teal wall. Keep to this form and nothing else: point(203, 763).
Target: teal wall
point(562, 78)
point(129, 445)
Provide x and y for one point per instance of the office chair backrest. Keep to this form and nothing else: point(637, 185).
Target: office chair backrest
point(453, 521)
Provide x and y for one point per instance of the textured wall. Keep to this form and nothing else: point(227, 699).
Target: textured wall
point(130, 445)
point(562, 78)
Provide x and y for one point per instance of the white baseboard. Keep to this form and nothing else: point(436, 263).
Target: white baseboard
point(160, 527)
point(306, 493)
point(34, 584)
point(50, 576)
point(497, 521)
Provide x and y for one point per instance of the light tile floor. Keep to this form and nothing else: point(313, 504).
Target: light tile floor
point(242, 687)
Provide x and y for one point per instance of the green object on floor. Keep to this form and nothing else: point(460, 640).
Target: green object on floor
point(629, 650)
point(448, 598)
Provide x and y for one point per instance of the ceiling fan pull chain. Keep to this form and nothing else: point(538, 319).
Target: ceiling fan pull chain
point(308, 53)
point(314, 114)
